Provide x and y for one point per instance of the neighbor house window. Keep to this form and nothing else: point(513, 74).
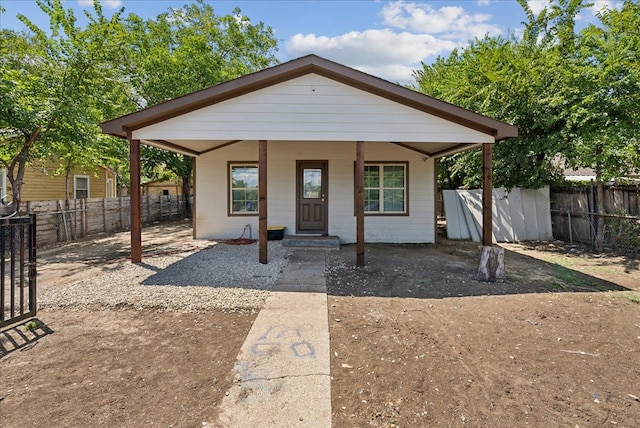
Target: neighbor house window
point(109, 191)
point(385, 188)
point(81, 186)
point(243, 188)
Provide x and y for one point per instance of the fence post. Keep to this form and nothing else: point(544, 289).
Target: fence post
point(592, 210)
point(148, 211)
point(104, 215)
point(74, 224)
point(32, 273)
point(85, 218)
point(570, 228)
point(120, 212)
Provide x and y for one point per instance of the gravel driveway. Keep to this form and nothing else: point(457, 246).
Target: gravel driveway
point(177, 273)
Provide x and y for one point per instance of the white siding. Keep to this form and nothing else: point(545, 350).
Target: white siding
point(311, 108)
point(212, 191)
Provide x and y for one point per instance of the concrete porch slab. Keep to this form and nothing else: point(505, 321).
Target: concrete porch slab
point(310, 241)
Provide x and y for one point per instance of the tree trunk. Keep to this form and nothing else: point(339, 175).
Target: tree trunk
point(21, 162)
point(599, 243)
point(67, 173)
point(186, 193)
point(16, 182)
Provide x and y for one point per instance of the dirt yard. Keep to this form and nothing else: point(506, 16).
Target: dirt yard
point(415, 341)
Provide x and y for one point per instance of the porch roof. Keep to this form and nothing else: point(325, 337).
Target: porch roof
point(125, 126)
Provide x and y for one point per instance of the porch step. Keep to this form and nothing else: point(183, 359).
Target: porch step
point(311, 241)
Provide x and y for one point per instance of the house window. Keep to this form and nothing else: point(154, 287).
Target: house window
point(243, 188)
point(385, 188)
point(81, 186)
point(109, 193)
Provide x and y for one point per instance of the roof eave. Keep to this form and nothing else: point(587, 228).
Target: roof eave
point(120, 126)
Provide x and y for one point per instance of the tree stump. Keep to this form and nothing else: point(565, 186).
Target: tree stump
point(491, 264)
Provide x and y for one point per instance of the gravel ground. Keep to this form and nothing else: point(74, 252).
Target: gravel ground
point(218, 276)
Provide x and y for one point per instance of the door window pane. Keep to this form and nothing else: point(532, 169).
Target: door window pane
point(312, 179)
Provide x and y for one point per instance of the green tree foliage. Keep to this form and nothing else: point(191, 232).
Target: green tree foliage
point(57, 86)
point(607, 115)
point(185, 50)
point(569, 94)
point(51, 90)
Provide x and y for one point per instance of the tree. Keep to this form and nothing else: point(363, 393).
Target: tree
point(531, 82)
point(608, 116)
point(185, 50)
point(573, 97)
point(51, 87)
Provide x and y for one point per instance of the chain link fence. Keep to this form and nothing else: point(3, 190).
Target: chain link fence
point(618, 233)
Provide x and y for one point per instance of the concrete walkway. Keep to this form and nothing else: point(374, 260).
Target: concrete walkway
point(282, 372)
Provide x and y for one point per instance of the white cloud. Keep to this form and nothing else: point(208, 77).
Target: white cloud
point(587, 15)
point(415, 32)
point(537, 6)
point(371, 47)
point(600, 5)
point(453, 21)
point(111, 4)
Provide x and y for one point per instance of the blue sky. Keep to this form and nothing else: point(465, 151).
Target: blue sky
point(388, 39)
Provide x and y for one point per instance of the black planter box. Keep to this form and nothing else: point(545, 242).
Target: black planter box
point(275, 233)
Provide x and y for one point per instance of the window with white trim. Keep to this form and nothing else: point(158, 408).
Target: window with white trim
point(385, 188)
point(81, 186)
point(243, 188)
point(109, 191)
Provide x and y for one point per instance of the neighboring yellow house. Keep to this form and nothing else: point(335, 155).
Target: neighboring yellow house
point(41, 184)
point(161, 187)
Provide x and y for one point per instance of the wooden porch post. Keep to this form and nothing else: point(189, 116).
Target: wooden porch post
point(194, 190)
point(487, 193)
point(262, 200)
point(491, 258)
point(136, 220)
point(359, 203)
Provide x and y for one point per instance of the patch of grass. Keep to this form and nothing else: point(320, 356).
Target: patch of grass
point(635, 298)
point(31, 325)
point(567, 279)
point(568, 276)
point(560, 261)
point(555, 286)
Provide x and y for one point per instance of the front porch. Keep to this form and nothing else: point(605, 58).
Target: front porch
point(312, 111)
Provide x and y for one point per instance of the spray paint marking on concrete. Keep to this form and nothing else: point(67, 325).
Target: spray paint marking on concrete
point(280, 337)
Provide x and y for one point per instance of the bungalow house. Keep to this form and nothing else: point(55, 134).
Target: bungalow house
point(40, 183)
point(314, 146)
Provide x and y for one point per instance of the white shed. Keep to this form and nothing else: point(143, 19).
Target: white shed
point(314, 146)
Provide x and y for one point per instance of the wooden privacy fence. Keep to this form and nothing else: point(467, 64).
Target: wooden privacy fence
point(65, 221)
point(575, 218)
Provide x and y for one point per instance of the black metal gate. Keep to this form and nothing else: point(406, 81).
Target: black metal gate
point(17, 269)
